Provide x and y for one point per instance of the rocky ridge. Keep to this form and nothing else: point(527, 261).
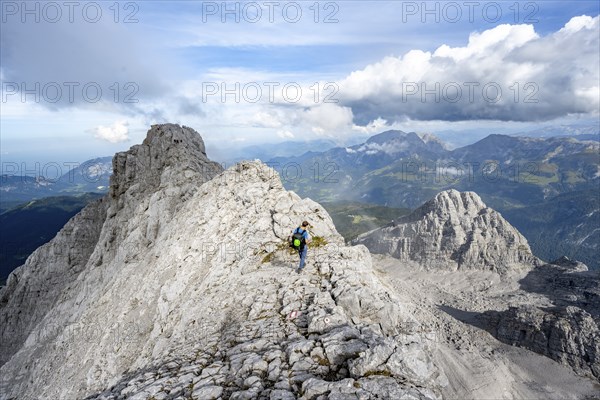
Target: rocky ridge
point(454, 230)
point(181, 288)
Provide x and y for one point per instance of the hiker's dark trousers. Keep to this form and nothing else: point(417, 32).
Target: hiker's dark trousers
point(302, 253)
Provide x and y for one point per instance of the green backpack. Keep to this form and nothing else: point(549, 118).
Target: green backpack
point(298, 240)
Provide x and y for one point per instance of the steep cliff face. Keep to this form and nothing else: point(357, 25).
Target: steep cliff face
point(46, 277)
point(184, 286)
point(152, 179)
point(453, 230)
point(568, 331)
point(569, 335)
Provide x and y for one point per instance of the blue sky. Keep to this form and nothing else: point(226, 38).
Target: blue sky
point(378, 62)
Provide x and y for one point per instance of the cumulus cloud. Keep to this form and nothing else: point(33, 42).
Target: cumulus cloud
point(327, 118)
point(377, 125)
point(508, 73)
point(392, 147)
point(115, 133)
point(266, 120)
point(285, 134)
point(578, 23)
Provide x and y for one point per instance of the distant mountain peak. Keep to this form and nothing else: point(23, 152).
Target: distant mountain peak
point(395, 143)
point(451, 231)
point(453, 201)
point(391, 135)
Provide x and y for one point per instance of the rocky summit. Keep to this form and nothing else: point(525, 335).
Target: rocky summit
point(179, 284)
point(454, 230)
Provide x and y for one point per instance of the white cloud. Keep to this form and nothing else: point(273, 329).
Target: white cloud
point(385, 76)
point(578, 23)
point(501, 39)
point(506, 73)
point(375, 126)
point(328, 118)
point(265, 120)
point(285, 134)
point(392, 147)
point(115, 133)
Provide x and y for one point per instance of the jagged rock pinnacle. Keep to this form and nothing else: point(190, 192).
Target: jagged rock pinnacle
point(169, 155)
point(452, 230)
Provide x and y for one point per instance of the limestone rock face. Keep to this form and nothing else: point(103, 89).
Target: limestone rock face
point(46, 277)
point(171, 155)
point(569, 335)
point(179, 283)
point(567, 332)
point(453, 230)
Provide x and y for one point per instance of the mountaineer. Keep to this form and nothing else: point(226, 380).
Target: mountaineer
point(299, 241)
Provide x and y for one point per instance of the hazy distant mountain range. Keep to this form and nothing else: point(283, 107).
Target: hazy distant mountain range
point(580, 132)
point(568, 224)
point(90, 176)
point(283, 149)
point(403, 170)
point(455, 139)
point(510, 173)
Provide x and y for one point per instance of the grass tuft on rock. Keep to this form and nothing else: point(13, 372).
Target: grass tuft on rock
point(318, 241)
